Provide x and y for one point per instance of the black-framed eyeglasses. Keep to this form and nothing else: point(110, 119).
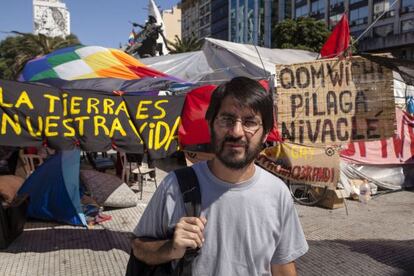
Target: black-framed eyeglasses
point(250, 125)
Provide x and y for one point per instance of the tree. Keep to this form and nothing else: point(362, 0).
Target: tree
point(15, 51)
point(303, 33)
point(185, 45)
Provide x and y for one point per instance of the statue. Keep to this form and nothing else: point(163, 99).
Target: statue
point(145, 42)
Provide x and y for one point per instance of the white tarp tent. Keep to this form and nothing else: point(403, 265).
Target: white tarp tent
point(221, 60)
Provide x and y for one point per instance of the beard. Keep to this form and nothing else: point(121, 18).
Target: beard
point(232, 158)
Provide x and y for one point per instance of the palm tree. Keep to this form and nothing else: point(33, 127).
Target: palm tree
point(185, 45)
point(17, 50)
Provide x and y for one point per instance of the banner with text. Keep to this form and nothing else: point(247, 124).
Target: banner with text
point(302, 164)
point(32, 115)
point(396, 150)
point(334, 101)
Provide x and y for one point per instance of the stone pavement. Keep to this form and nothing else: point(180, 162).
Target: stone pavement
point(373, 239)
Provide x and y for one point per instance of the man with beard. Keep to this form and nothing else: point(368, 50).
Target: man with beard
point(248, 223)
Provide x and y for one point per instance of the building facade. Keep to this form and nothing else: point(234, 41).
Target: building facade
point(51, 18)
point(393, 32)
point(172, 22)
point(247, 21)
point(220, 19)
point(196, 18)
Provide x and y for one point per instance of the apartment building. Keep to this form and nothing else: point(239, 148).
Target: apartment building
point(172, 22)
point(247, 21)
point(220, 19)
point(393, 32)
point(196, 18)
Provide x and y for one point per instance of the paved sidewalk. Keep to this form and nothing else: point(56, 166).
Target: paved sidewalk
point(373, 239)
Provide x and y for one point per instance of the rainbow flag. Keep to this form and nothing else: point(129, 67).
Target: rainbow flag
point(131, 38)
point(85, 62)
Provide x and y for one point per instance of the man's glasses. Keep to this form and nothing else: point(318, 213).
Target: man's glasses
point(248, 125)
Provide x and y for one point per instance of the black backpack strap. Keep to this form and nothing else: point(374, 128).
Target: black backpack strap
point(190, 190)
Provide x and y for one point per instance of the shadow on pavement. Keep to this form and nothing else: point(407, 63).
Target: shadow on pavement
point(358, 257)
point(48, 240)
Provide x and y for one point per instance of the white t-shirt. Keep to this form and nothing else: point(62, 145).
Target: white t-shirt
point(250, 225)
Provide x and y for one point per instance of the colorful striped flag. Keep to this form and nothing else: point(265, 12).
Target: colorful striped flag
point(131, 38)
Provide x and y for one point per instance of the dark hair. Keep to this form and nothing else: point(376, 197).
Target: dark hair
point(249, 93)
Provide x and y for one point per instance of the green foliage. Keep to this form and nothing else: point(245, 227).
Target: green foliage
point(15, 51)
point(303, 33)
point(184, 45)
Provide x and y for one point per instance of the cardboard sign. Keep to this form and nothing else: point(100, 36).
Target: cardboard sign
point(96, 121)
point(334, 101)
point(302, 164)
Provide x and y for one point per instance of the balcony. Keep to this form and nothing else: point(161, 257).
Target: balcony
point(391, 41)
point(407, 9)
point(337, 6)
point(317, 14)
point(359, 21)
point(388, 14)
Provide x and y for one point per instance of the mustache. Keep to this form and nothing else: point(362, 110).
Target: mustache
point(232, 139)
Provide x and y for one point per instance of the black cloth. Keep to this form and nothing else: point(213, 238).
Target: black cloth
point(190, 189)
point(404, 67)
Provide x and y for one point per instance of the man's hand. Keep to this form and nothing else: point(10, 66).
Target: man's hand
point(188, 234)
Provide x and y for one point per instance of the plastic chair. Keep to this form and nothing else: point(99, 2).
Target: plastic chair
point(142, 173)
point(30, 162)
point(126, 167)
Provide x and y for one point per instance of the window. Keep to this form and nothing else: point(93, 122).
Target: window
point(355, 1)
point(301, 11)
point(381, 6)
point(251, 28)
point(336, 4)
point(407, 6)
point(318, 7)
point(233, 20)
point(407, 26)
point(383, 31)
point(240, 22)
point(358, 16)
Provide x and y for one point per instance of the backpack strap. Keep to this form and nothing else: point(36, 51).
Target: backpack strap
point(190, 190)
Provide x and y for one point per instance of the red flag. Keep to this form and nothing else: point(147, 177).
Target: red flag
point(339, 39)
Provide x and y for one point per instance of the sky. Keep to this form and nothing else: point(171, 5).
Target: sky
point(94, 22)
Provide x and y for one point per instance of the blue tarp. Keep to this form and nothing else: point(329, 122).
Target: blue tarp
point(54, 189)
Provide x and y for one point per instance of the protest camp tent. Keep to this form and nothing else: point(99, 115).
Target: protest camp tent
point(54, 189)
point(220, 60)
